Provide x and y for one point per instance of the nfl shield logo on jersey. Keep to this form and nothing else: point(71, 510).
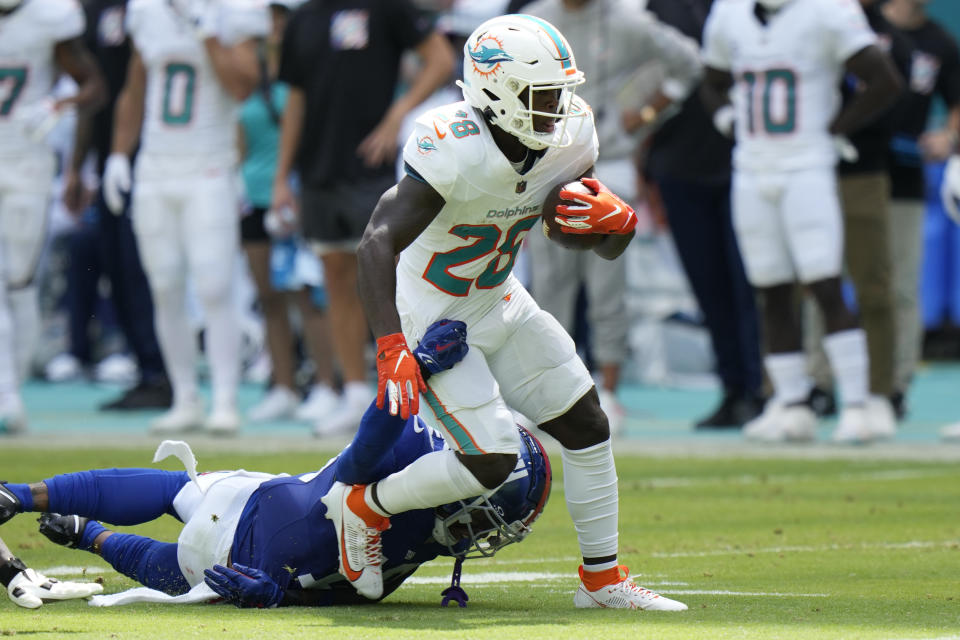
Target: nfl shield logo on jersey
point(521, 186)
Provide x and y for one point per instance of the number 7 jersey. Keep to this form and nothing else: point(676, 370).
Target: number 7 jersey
point(458, 266)
point(187, 112)
point(787, 76)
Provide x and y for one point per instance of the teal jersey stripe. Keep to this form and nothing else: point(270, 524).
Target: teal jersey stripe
point(464, 442)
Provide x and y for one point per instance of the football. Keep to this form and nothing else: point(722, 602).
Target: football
point(553, 230)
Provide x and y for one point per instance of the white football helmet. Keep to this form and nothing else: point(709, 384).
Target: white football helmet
point(508, 54)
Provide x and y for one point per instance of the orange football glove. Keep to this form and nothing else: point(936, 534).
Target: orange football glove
point(398, 371)
point(603, 212)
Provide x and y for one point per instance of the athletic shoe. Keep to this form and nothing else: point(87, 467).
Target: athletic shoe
point(277, 404)
point(951, 432)
point(13, 420)
point(358, 538)
point(321, 402)
point(881, 419)
point(10, 504)
point(735, 410)
point(145, 395)
point(222, 422)
point(616, 414)
point(63, 367)
point(181, 418)
point(783, 423)
point(63, 530)
point(346, 418)
point(624, 594)
point(852, 427)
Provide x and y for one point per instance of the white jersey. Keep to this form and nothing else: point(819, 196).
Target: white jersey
point(787, 76)
point(187, 112)
point(28, 71)
point(460, 265)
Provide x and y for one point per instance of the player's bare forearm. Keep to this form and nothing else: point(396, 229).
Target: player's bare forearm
point(438, 62)
point(236, 66)
point(715, 90)
point(82, 140)
point(881, 87)
point(74, 58)
point(128, 111)
point(613, 246)
point(402, 213)
point(291, 125)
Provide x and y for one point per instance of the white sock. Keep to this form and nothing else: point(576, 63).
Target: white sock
point(177, 343)
point(788, 373)
point(223, 342)
point(847, 353)
point(590, 487)
point(25, 315)
point(429, 481)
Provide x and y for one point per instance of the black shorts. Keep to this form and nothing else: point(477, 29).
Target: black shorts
point(251, 226)
point(338, 214)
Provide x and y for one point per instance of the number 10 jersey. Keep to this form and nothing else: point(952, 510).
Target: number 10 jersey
point(787, 75)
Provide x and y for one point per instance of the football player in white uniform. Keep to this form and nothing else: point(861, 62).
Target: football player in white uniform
point(785, 60)
point(37, 41)
point(477, 172)
point(192, 62)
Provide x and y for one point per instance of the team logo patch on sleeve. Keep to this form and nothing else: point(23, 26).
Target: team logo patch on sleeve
point(425, 145)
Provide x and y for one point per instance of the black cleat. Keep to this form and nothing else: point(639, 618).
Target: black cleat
point(10, 504)
point(146, 395)
point(735, 410)
point(63, 530)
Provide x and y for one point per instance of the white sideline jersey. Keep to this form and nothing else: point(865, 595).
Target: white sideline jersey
point(787, 76)
point(28, 71)
point(187, 111)
point(460, 265)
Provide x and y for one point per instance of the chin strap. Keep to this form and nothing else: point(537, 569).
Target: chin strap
point(455, 591)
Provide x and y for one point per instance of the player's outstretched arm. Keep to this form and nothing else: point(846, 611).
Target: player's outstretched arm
point(402, 214)
point(74, 58)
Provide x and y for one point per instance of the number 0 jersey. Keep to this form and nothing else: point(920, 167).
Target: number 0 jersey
point(459, 265)
point(187, 111)
point(787, 76)
point(28, 37)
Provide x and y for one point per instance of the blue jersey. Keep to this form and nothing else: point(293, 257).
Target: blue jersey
point(283, 529)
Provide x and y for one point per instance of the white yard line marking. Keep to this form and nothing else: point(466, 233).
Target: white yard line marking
point(721, 592)
point(74, 571)
point(880, 476)
point(893, 546)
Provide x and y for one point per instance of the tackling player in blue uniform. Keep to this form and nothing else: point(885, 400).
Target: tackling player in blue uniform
point(261, 540)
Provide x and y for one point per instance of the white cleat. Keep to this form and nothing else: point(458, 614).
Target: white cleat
point(277, 404)
point(625, 594)
point(346, 417)
point(361, 549)
point(13, 419)
point(320, 402)
point(852, 427)
point(179, 419)
point(881, 420)
point(222, 422)
point(951, 432)
point(783, 423)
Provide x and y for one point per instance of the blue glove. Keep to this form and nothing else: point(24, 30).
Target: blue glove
point(443, 345)
point(243, 586)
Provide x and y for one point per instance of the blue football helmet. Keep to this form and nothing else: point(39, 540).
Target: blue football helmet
point(481, 526)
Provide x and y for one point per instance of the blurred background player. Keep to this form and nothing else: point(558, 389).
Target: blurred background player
point(191, 64)
point(688, 161)
point(339, 133)
point(477, 172)
point(29, 589)
point(259, 138)
point(611, 38)
point(785, 204)
point(39, 39)
point(865, 198)
point(934, 70)
point(114, 242)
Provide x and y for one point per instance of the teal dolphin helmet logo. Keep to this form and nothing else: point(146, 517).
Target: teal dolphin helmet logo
point(490, 56)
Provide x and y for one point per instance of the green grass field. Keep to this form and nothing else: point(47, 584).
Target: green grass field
point(758, 548)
